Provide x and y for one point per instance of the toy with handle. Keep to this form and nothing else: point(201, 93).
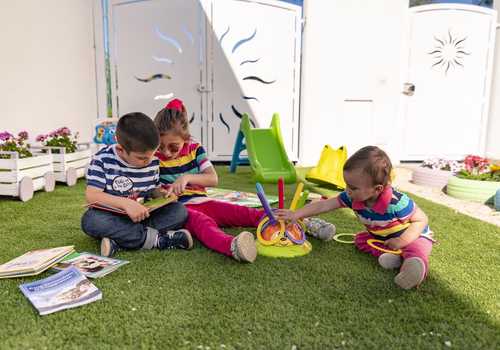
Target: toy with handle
point(265, 203)
point(303, 199)
point(281, 194)
point(275, 238)
point(296, 196)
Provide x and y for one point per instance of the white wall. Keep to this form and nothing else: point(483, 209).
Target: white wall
point(351, 81)
point(47, 66)
point(493, 138)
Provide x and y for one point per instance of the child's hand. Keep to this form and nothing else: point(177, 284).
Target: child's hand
point(136, 211)
point(179, 185)
point(394, 243)
point(285, 214)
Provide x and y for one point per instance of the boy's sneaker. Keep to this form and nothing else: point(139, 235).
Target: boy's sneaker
point(319, 228)
point(178, 239)
point(108, 247)
point(412, 273)
point(243, 247)
point(389, 261)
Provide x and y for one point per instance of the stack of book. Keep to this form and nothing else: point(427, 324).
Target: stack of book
point(34, 262)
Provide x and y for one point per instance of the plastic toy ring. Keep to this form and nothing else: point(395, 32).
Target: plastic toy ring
point(371, 243)
point(336, 238)
point(262, 226)
point(302, 229)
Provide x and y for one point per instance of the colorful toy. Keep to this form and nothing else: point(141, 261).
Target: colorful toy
point(374, 244)
point(105, 132)
point(330, 167)
point(266, 152)
point(338, 235)
point(276, 238)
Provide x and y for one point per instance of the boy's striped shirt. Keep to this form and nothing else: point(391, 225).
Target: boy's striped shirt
point(192, 159)
point(107, 171)
point(389, 217)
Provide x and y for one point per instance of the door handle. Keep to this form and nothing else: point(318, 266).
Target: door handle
point(408, 89)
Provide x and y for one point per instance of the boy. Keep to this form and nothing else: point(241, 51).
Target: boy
point(116, 176)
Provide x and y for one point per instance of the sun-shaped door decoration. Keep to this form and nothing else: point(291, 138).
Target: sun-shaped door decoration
point(256, 78)
point(448, 52)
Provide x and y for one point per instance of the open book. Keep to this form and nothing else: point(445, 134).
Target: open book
point(246, 199)
point(151, 204)
point(66, 289)
point(92, 266)
point(34, 262)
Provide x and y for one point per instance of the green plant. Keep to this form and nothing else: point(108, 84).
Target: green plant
point(60, 138)
point(17, 144)
point(490, 176)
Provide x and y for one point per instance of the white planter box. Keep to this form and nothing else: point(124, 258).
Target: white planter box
point(430, 177)
point(69, 167)
point(20, 177)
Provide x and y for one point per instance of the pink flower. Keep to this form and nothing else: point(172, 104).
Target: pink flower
point(4, 136)
point(64, 131)
point(23, 135)
point(476, 165)
point(41, 138)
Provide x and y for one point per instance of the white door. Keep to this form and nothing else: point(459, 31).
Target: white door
point(222, 58)
point(450, 63)
point(158, 53)
point(255, 70)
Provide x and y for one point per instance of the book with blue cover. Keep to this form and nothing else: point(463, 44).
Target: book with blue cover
point(66, 289)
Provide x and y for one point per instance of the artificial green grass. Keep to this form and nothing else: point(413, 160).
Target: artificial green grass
point(335, 297)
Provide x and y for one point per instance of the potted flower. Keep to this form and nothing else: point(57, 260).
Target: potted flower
point(478, 181)
point(70, 157)
point(435, 172)
point(22, 169)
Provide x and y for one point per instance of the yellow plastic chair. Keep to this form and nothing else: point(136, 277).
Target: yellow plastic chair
point(330, 167)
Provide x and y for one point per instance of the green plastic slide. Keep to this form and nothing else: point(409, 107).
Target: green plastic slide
point(266, 152)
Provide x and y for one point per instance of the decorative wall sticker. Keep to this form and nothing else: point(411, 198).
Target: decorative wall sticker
point(448, 52)
point(162, 59)
point(249, 61)
point(242, 41)
point(239, 115)
point(164, 97)
point(250, 98)
point(168, 39)
point(253, 77)
point(225, 123)
point(154, 77)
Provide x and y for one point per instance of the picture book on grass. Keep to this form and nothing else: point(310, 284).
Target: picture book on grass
point(34, 262)
point(247, 199)
point(64, 290)
point(90, 265)
point(151, 204)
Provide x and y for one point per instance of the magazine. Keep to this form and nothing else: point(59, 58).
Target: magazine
point(247, 199)
point(34, 262)
point(66, 289)
point(90, 265)
point(151, 204)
